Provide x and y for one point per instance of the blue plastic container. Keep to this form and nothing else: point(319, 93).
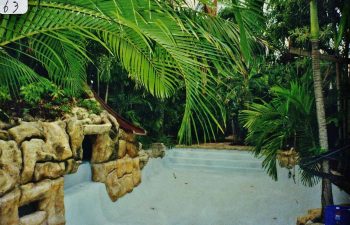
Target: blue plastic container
point(337, 215)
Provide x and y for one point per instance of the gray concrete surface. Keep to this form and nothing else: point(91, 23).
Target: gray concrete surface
point(194, 187)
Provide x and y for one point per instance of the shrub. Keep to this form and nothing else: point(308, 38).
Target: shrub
point(90, 105)
point(4, 94)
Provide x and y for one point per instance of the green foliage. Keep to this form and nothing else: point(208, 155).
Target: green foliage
point(36, 92)
point(91, 105)
point(288, 120)
point(159, 45)
point(44, 99)
point(4, 94)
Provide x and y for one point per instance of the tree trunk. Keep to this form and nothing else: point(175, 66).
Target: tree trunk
point(211, 10)
point(326, 196)
point(106, 95)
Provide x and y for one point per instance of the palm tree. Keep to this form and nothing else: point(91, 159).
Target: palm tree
point(159, 45)
point(326, 196)
point(287, 121)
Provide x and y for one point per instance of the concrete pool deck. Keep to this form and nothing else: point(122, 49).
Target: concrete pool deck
point(195, 187)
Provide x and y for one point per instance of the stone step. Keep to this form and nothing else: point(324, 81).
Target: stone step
point(215, 162)
point(211, 154)
point(215, 167)
point(213, 159)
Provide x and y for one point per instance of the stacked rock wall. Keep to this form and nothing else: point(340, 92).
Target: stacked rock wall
point(34, 157)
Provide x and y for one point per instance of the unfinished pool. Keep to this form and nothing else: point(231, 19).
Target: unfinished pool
point(194, 187)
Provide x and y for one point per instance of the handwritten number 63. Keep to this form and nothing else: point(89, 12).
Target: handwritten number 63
point(6, 8)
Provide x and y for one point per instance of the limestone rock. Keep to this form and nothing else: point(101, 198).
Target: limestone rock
point(7, 182)
point(129, 164)
point(127, 182)
point(4, 135)
point(136, 163)
point(121, 149)
point(10, 154)
point(80, 113)
point(71, 166)
point(76, 134)
point(57, 138)
point(131, 150)
point(97, 129)
point(26, 130)
point(33, 151)
point(34, 191)
point(114, 122)
point(121, 167)
point(129, 137)
point(37, 218)
point(157, 150)
point(136, 177)
point(102, 148)
point(48, 170)
point(10, 165)
point(53, 203)
point(113, 186)
point(101, 170)
point(49, 194)
point(9, 204)
point(5, 126)
point(143, 157)
point(95, 119)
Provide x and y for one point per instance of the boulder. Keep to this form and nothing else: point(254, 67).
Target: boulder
point(80, 113)
point(156, 150)
point(53, 203)
point(37, 218)
point(33, 151)
point(136, 177)
point(143, 157)
point(114, 122)
point(102, 148)
point(129, 164)
point(32, 192)
point(129, 137)
point(49, 170)
point(6, 126)
point(136, 163)
point(101, 170)
point(121, 167)
point(127, 182)
point(71, 166)
point(121, 149)
point(7, 182)
point(95, 119)
point(96, 129)
point(4, 135)
point(76, 134)
point(26, 130)
point(9, 204)
point(113, 186)
point(10, 165)
point(57, 138)
point(131, 150)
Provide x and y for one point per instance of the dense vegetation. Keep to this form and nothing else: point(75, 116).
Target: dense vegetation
point(252, 70)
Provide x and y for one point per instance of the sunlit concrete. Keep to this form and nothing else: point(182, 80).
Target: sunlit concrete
point(195, 188)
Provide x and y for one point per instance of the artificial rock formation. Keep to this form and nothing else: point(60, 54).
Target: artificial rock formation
point(34, 157)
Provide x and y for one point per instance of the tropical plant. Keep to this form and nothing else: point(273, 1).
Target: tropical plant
point(159, 45)
point(287, 121)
